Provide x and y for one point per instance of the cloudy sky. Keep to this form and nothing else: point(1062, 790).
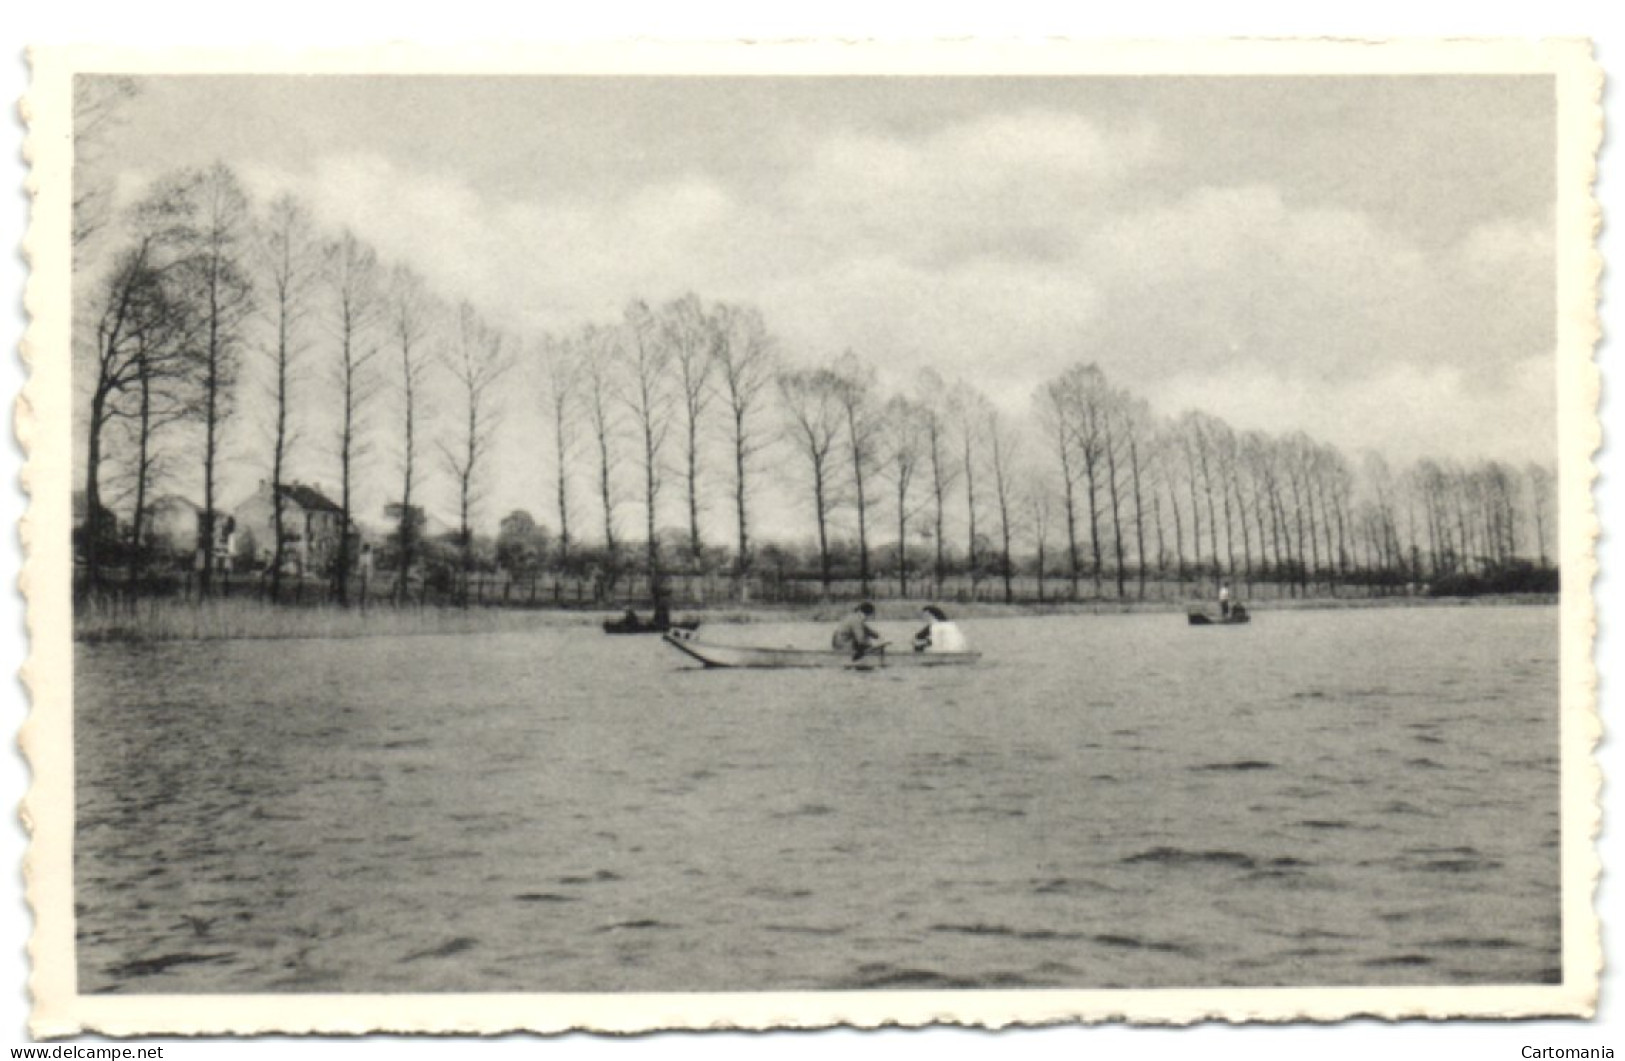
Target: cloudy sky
point(1366, 258)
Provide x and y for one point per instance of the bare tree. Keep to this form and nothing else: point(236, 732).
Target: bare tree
point(1111, 417)
point(141, 309)
point(600, 353)
point(688, 334)
point(1256, 462)
point(1090, 398)
point(98, 100)
point(161, 392)
point(477, 362)
point(1038, 497)
point(1002, 452)
point(970, 416)
point(353, 315)
point(1135, 429)
point(132, 290)
point(1222, 439)
point(646, 392)
point(1541, 481)
point(1320, 466)
point(1299, 454)
point(291, 260)
point(932, 401)
point(815, 421)
point(1276, 468)
point(1382, 526)
point(1201, 432)
point(1198, 474)
point(1338, 479)
point(903, 446)
point(856, 396)
point(1171, 451)
point(743, 353)
point(1056, 403)
point(410, 312)
point(561, 372)
point(1410, 496)
point(223, 294)
point(1427, 485)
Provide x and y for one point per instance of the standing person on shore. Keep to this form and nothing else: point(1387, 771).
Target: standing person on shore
point(939, 634)
point(1224, 600)
point(854, 634)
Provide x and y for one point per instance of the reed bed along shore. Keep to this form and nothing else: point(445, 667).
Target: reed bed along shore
point(175, 619)
point(179, 619)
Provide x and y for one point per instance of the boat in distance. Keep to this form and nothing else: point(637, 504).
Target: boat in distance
point(714, 655)
point(635, 625)
point(1198, 616)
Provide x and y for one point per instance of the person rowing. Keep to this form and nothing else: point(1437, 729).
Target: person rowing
point(854, 634)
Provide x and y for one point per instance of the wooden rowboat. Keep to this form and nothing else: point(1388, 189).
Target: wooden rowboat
point(1201, 617)
point(714, 655)
point(622, 626)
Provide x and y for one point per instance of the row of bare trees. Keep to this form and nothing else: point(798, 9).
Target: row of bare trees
point(653, 390)
point(168, 319)
point(1134, 496)
point(199, 283)
point(1094, 476)
point(697, 400)
point(1192, 496)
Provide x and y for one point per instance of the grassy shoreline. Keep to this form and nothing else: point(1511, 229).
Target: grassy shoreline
point(170, 619)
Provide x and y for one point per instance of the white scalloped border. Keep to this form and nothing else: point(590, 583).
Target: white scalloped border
point(43, 426)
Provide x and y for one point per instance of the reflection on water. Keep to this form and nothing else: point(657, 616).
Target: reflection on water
point(1333, 797)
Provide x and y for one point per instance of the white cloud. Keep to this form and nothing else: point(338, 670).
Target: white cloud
point(1322, 296)
point(998, 250)
point(1402, 411)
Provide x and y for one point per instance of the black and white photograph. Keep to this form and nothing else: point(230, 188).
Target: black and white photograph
point(1037, 537)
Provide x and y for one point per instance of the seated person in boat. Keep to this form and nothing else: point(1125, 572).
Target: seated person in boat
point(853, 633)
point(939, 634)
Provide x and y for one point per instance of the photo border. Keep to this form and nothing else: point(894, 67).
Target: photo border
point(44, 426)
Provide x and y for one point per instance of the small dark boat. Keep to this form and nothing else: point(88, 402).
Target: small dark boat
point(1199, 616)
point(631, 624)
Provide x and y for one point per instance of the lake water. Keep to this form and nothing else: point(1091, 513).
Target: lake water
point(1352, 797)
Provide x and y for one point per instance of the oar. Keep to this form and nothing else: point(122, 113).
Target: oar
point(878, 648)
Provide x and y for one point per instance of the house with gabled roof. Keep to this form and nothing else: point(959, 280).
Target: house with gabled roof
point(312, 527)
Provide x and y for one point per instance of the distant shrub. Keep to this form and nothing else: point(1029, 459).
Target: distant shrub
point(1517, 577)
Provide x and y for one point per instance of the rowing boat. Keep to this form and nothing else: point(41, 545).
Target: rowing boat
point(1197, 616)
point(624, 626)
point(714, 655)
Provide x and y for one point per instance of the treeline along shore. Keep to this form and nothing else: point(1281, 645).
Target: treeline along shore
point(219, 341)
point(247, 617)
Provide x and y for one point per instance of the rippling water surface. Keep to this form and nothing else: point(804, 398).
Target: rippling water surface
point(1325, 797)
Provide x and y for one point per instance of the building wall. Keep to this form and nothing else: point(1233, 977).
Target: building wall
point(310, 539)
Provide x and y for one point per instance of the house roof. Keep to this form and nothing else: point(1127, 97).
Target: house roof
point(308, 498)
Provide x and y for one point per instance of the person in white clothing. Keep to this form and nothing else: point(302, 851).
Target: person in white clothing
point(1224, 600)
point(939, 635)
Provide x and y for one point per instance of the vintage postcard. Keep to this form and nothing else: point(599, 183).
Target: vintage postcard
point(790, 535)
